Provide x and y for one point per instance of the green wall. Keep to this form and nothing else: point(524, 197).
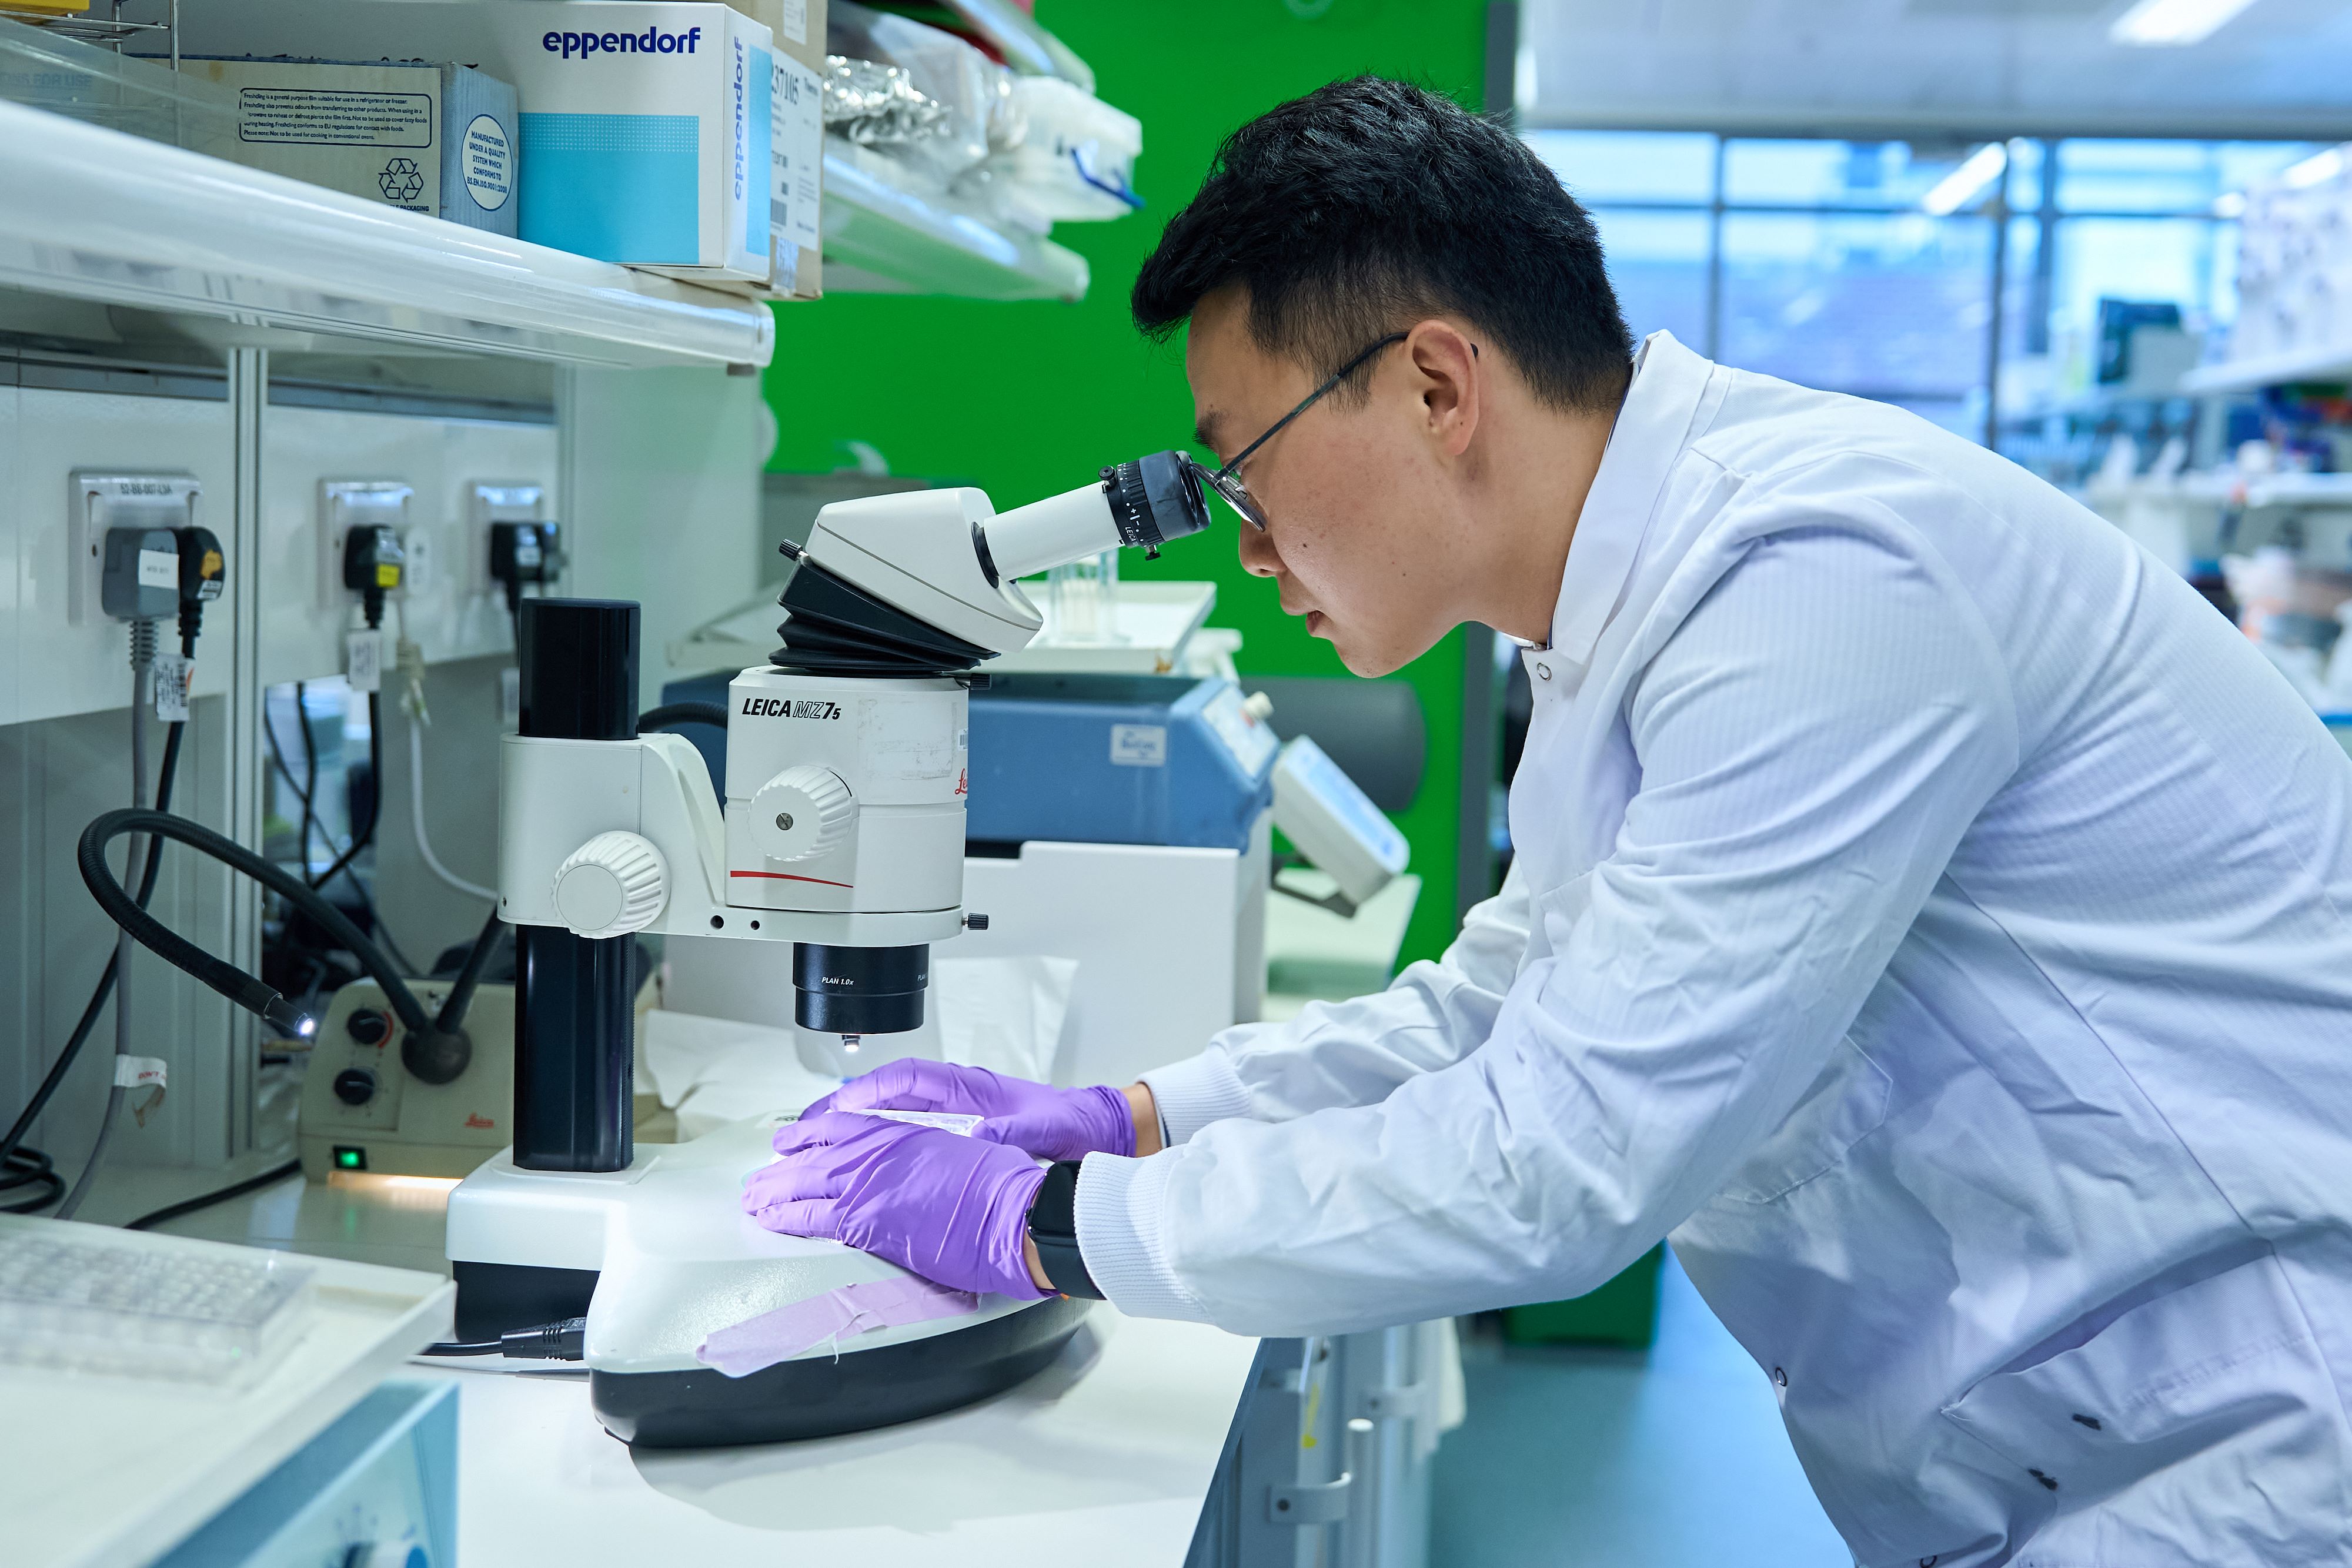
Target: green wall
point(1027, 399)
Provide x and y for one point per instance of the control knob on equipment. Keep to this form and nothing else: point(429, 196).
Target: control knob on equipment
point(355, 1086)
point(614, 883)
point(801, 813)
point(368, 1026)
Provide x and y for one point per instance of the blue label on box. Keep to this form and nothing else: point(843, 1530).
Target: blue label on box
point(753, 177)
point(618, 187)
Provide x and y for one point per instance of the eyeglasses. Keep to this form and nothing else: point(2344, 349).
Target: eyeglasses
point(1227, 481)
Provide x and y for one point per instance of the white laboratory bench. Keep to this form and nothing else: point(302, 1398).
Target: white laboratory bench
point(1106, 1456)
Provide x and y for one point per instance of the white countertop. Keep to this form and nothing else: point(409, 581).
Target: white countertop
point(1104, 1457)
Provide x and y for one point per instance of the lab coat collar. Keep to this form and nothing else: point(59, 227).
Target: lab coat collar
point(1653, 426)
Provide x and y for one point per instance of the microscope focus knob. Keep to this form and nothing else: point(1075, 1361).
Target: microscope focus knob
point(801, 813)
point(614, 883)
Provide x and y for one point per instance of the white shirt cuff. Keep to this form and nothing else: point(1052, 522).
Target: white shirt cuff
point(1118, 1208)
point(1195, 1092)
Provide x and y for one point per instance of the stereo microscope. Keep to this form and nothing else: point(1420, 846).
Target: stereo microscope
point(842, 839)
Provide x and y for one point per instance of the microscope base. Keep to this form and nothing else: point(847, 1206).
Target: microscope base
point(825, 1396)
point(660, 1255)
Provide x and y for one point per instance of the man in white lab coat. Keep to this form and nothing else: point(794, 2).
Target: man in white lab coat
point(1927, 911)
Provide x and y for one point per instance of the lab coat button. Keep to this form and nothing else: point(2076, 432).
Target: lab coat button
point(1928, 1561)
point(1779, 1377)
point(1544, 670)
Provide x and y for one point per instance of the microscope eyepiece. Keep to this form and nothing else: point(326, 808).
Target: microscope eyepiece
point(1155, 500)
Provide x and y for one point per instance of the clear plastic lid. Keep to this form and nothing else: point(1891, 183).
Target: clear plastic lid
point(88, 1303)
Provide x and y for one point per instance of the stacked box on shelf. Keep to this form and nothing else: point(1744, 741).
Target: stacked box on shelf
point(646, 130)
point(436, 139)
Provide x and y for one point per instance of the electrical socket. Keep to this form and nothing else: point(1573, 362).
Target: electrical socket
point(422, 576)
point(347, 504)
point(102, 498)
point(488, 502)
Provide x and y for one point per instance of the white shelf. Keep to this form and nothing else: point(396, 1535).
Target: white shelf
point(882, 235)
point(2271, 369)
point(96, 215)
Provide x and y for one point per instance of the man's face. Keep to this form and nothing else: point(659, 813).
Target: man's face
point(1356, 511)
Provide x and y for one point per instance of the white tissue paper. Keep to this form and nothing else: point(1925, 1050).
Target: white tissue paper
point(1003, 1014)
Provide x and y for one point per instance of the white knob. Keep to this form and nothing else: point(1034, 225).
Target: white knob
point(801, 813)
point(613, 885)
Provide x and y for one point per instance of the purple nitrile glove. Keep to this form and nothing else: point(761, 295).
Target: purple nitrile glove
point(951, 1209)
point(1051, 1123)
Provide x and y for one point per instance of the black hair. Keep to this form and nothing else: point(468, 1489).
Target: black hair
point(1370, 205)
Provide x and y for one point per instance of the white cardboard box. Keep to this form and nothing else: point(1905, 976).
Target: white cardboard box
point(436, 139)
point(647, 133)
point(796, 190)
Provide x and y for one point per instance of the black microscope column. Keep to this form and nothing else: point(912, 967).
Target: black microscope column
point(574, 1020)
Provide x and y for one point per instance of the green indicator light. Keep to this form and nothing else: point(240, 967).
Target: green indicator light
point(350, 1159)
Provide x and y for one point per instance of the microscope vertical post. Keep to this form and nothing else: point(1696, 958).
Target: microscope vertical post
point(574, 1016)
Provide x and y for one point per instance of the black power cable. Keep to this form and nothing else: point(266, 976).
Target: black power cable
point(564, 1340)
point(363, 836)
point(309, 787)
point(306, 794)
point(20, 1164)
point(274, 1175)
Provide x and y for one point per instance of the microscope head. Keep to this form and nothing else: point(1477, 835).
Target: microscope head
point(923, 582)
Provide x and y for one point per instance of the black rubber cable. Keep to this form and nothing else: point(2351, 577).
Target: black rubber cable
point(244, 989)
point(24, 1166)
point(669, 716)
point(461, 995)
point(274, 1175)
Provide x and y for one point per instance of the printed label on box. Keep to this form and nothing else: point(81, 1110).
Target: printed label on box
point(795, 191)
point(334, 119)
point(490, 163)
point(1139, 745)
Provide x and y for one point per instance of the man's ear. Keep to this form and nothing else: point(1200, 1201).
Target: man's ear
point(1446, 380)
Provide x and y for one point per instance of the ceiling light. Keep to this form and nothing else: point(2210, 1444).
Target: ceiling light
point(2158, 23)
point(2315, 170)
point(1959, 187)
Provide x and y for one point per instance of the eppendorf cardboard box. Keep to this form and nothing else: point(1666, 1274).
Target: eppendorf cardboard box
point(436, 139)
point(646, 133)
point(796, 183)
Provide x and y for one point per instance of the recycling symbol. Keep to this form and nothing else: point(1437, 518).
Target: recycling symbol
point(402, 180)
